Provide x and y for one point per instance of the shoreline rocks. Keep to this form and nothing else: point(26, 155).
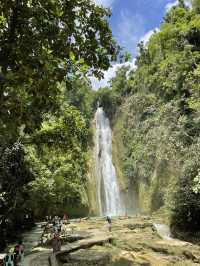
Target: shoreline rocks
point(133, 241)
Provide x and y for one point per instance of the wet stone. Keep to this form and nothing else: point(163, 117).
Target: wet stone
point(87, 258)
point(75, 237)
point(140, 226)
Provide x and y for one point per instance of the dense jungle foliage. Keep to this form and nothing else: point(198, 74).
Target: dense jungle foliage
point(47, 49)
point(160, 111)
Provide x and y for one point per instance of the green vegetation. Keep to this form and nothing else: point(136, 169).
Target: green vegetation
point(111, 99)
point(159, 103)
point(48, 49)
point(46, 105)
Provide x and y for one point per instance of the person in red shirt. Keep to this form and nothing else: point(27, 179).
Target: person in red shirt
point(65, 217)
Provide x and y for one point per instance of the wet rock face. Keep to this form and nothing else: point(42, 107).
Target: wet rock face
point(73, 238)
point(127, 262)
point(87, 258)
point(139, 226)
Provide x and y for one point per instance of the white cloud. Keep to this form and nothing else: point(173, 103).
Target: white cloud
point(175, 3)
point(145, 39)
point(130, 29)
point(170, 5)
point(109, 74)
point(105, 3)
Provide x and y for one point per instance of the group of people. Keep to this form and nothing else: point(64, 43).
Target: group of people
point(55, 226)
point(16, 257)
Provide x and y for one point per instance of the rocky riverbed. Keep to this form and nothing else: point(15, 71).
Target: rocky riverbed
point(132, 241)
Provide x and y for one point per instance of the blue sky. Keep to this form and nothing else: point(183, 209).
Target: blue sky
point(132, 19)
point(131, 22)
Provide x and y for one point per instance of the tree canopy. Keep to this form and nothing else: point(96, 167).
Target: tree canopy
point(47, 48)
point(42, 44)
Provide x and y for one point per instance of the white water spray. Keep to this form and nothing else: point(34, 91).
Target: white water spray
point(110, 202)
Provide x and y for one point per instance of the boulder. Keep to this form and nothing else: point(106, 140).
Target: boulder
point(140, 226)
point(88, 258)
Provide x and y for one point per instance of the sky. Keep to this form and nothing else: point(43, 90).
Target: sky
point(133, 21)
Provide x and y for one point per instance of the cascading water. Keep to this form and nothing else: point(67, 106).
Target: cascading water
point(110, 202)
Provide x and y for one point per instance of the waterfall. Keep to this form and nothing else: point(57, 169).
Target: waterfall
point(109, 199)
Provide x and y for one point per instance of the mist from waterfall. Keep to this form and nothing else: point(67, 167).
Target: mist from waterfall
point(108, 192)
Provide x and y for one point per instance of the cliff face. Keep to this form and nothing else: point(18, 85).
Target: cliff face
point(145, 156)
point(129, 191)
point(91, 185)
point(148, 165)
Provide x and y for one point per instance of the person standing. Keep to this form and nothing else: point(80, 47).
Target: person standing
point(19, 253)
point(21, 250)
point(56, 243)
point(66, 217)
point(109, 223)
